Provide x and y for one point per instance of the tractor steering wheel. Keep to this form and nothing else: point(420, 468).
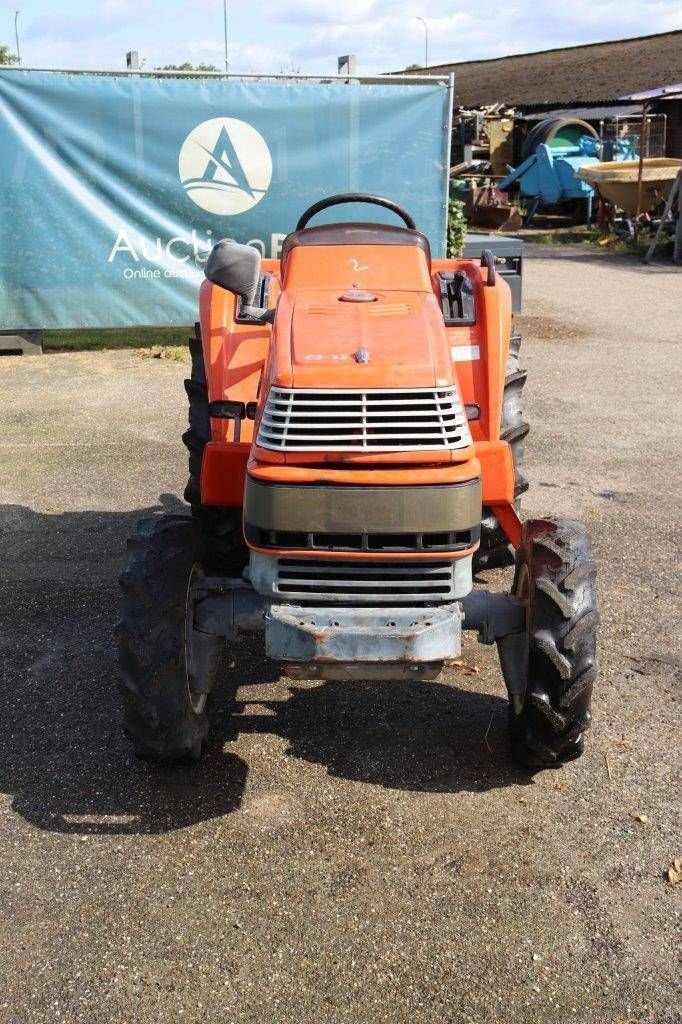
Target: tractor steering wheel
point(353, 197)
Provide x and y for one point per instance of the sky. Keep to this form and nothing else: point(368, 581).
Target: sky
point(306, 36)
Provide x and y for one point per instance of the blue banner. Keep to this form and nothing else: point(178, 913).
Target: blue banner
point(113, 188)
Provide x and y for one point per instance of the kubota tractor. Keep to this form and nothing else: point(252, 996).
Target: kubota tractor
point(355, 434)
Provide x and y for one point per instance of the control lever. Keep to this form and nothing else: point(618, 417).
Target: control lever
point(488, 260)
point(224, 410)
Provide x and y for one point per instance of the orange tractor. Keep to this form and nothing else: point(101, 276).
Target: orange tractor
point(355, 454)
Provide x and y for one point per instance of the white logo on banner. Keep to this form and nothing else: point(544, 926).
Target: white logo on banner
point(225, 166)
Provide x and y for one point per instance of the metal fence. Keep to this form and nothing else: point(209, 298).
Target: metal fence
point(629, 129)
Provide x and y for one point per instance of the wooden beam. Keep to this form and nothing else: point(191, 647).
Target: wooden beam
point(675, 192)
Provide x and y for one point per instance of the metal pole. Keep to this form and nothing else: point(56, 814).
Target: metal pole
point(426, 40)
point(16, 34)
point(675, 193)
point(640, 168)
point(227, 62)
point(448, 145)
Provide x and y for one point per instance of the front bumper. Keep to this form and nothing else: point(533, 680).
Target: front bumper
point(323, 641)
point(362, 643)
point(330, 642)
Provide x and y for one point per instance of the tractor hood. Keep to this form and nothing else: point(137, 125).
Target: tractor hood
point(323, 339)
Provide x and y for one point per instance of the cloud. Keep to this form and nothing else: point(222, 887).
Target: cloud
point(386, 35)
point(259, 58)
point(310, 34)
point(331, 12)
point(94, 23)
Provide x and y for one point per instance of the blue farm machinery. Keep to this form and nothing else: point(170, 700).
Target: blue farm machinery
point(552, 155)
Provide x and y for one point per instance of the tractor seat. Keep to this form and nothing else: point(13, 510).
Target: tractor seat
point(357, 233)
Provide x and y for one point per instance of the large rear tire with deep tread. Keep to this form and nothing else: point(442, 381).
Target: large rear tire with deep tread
point(555, 577)
point(513, 427)
point(495, 551)
point(219, 537)
point(163, 718)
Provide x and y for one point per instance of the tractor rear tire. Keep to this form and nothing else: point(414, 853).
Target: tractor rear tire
point(495, 551)
point(555, 577)
point(164, 719)
point(219, 538)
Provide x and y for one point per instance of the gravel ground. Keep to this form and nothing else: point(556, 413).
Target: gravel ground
point(346, 853)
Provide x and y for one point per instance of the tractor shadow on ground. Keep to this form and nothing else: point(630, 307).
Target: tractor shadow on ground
point(66, 763)
point(416, 736)
point(63, 758)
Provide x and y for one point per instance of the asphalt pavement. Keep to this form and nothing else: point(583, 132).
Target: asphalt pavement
point(346, 852)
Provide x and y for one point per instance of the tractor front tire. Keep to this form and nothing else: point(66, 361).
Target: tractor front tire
point(555, 578)
point(164, 719)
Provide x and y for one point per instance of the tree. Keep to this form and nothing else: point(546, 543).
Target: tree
point(187, 66)
point(414, 67)
point(6, 55)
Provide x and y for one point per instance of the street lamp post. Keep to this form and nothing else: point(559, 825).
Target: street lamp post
point(426, 41)
point(227, 62)
point(16, 34)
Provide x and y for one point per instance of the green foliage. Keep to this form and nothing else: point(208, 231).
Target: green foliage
point(523, 205)
point(101, 339)
point(187, 66)
point(6, 55)
point(456, 228)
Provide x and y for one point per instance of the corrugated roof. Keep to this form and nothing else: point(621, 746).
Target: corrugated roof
point(662, 93)
point(591, 73)
point(588, 113)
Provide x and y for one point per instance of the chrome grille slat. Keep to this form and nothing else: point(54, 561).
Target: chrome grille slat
point(432, 583)
point(409, 419)
point(382, 570)
point(304, 400)
point(301, 415)
point(364, 582)
point(300, 434)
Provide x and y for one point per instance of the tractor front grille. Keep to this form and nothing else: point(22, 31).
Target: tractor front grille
point(409, 419)
point(365, 582)
point(394, 543)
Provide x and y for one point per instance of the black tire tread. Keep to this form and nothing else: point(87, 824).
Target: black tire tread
point(551, 589)
point(514, 428)
point(562, 663)
point(158, 716)
point(577, 688)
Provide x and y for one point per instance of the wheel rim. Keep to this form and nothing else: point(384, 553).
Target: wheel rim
point(522, 586)
point(197, 700)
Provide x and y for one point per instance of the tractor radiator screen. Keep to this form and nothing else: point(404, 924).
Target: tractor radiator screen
point(377, 420)
point(365, 582)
